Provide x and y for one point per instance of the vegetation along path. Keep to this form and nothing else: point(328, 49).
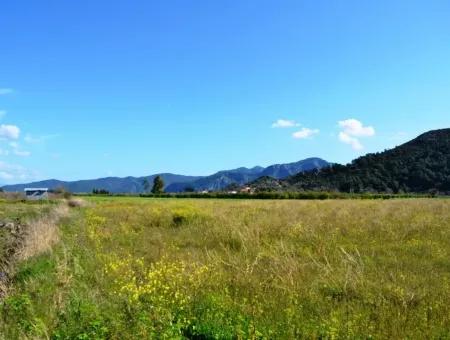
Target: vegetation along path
point(27, 229)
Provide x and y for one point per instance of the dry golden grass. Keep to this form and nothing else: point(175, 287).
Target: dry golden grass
point(14, 215)
point(42, 233)
point(295, 268)
point(131, 268)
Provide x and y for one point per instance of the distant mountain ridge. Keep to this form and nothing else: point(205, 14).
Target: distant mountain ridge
point(240, 176)
point(177, 183)
point(112, 184)
point(289, 169)
point(421, 165)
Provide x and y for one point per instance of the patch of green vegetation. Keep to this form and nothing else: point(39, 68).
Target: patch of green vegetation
point(36, 267)
point(221, 269)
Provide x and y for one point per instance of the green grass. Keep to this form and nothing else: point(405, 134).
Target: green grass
point(129, 268)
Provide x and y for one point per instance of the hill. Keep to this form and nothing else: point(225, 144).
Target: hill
point(178, 183)
point(289, 169)
point(420, 165)
point(240, 176)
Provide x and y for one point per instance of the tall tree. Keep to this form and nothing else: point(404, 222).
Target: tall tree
point(158, 185)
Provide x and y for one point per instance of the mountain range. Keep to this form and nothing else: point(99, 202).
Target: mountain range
point(178, 183)
point(240, 176)
point(421, 165)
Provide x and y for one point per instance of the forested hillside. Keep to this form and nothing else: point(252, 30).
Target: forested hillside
point(420, 165)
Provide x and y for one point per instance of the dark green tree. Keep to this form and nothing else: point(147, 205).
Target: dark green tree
point(158, 185)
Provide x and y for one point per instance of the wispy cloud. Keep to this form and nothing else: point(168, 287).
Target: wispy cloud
point(351, 130)
point(9, 131)
point(6, 175)
point(2, 114)
point(38, 139)
point(17, 150)
point(305, 133)
point(284, 123)
point(15, 173)
point(4, 90)
point(22, 153)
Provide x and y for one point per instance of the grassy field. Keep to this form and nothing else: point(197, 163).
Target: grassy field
point(128, 268)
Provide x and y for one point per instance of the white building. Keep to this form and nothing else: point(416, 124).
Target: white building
point(36, 193)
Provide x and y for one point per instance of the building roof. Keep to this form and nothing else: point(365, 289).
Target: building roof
point(35, 189)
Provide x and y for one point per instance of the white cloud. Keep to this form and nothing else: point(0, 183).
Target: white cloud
point(284, 123)
point(4, 91)
point(351, 129)
point(354, 142)
point(305, 133)
point(9, 131)
point(355, 128)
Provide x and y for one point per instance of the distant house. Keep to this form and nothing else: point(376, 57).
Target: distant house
point(36, 193)
point(246, 189)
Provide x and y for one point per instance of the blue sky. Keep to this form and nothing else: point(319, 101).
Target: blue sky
point(97, 88)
